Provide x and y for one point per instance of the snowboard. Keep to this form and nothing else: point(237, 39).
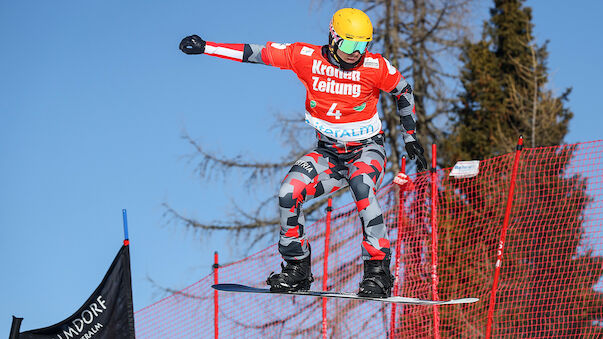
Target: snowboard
point(343, 295)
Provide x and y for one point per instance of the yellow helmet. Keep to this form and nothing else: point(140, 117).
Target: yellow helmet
point(350, 31)
point(352, 24)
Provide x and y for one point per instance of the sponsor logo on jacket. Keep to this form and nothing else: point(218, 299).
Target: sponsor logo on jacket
point(331, 86)
point(319, 68)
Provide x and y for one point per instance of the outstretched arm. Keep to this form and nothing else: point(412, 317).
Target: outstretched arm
point(406, 108)
point(238, 52)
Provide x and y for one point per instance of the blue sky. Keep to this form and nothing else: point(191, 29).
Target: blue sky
point(94, 99)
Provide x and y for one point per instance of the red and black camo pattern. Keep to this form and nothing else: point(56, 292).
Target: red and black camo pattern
point(331, 166)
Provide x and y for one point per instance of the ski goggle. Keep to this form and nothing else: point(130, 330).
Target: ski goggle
point(349, 46)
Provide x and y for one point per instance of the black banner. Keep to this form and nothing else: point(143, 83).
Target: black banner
point(108, 313)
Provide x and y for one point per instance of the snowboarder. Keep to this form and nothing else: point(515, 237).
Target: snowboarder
point(343, 81)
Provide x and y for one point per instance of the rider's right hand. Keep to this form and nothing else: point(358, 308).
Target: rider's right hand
point(414, 148)
point(192, 44)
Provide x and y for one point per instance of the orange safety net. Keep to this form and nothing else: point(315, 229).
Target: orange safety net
point(551, 266)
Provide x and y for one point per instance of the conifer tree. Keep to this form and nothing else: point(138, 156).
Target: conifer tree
point(549, 272)
point(504, 79)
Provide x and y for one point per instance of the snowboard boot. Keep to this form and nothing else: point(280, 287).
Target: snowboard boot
point(295, 276)
point(377, 281)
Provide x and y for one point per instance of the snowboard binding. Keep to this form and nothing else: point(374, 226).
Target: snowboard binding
point(295, 276)
point(377, 281)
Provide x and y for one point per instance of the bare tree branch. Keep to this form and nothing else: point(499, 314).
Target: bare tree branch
point(422, 39)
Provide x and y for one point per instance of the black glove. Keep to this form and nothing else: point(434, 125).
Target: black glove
point(192, 44)
point(413, 148)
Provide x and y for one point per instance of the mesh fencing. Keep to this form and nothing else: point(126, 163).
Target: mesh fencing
point(550, 274)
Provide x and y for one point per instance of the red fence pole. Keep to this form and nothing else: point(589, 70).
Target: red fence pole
point(503, 234)
point(434, 241)
point(325, 268)
point(392, 324)
point(216, 266)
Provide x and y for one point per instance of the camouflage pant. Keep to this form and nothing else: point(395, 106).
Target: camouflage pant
point(333, 165)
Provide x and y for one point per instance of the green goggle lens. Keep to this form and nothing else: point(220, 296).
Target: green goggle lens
point(349, 46)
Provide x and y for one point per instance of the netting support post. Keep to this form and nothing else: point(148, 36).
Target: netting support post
point(216, 266)
point(392, 324)
point(434, 241)
point(503, 234)
point(325, 267)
